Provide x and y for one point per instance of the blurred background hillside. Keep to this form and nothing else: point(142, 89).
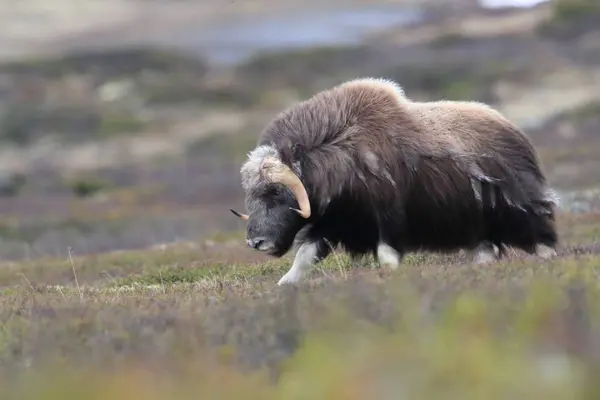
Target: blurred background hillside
point(123, 123)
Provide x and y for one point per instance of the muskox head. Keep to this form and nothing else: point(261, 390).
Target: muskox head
point(277, 204)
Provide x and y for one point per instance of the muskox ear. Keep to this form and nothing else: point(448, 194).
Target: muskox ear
point(239, 215)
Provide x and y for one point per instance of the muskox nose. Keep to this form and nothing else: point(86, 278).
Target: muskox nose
point(255, 242)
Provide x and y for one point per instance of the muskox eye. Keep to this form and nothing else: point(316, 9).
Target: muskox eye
point(274, 192)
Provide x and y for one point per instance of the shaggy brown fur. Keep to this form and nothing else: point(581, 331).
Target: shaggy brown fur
point(380, 168)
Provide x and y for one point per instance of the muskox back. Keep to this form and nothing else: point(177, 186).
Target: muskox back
point(510, 202)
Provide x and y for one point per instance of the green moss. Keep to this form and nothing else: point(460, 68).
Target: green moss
point(29, 230)
point(88, 187)
point(588, 111)
point(224, 146)
point(175, 90)
point(169, 275)
point(12, 184)
point(460, 90)
point(572, 11)
point(452, 80)
point(115, 125)
point(449, 39)
point(571, 18)
point(223, 237)
point(25, 124)
point(111, 63)
point(303, 69)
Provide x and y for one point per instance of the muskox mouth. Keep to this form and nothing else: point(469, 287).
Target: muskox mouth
point(266, 247)
point(261, 244)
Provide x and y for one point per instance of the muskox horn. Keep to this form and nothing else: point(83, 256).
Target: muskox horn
point(273, 170)
point(240, 215)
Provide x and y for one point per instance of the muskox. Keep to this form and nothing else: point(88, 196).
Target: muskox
point(363, 167)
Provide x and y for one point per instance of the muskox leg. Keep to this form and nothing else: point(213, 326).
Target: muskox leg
point(309, 254)
point(545, 252)
point(388, 257)
point(483, 254)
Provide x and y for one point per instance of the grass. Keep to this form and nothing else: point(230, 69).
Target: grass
point(187, 322)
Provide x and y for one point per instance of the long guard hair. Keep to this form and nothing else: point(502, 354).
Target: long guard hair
point(378, 167)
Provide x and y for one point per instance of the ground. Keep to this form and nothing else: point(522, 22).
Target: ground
point(210, 320)
point(123, 273)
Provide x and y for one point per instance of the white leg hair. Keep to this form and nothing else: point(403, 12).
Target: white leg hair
point(482, 254)
point(388, 257)
point(544, 251)
point(306, 257)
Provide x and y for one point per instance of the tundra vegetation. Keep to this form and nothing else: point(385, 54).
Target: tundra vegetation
point(188, 322)
point(97, 303)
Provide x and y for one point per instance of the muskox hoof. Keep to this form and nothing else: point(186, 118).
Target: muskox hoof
point(483, 254)
point(483, 258)
point(545, 252)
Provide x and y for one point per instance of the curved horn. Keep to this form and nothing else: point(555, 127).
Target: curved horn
point(240, 215)
point(273, 170)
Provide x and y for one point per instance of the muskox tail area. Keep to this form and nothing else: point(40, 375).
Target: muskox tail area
point(522, 225)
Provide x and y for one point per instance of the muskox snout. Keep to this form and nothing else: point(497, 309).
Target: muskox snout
point(254, 243)
point(258, 243)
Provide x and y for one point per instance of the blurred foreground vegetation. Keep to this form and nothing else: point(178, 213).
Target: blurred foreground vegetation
point(186, 322)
